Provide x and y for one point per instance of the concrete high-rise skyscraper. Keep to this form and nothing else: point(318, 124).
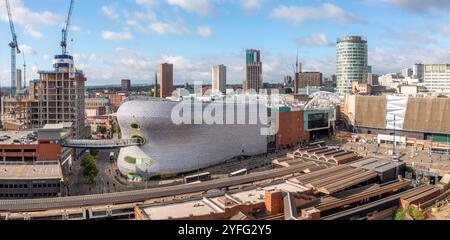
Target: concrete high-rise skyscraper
point(166, 87)
point(351, 62)
point(155, 85)
point(419, 71)
point(219, 79)
point(253, 70)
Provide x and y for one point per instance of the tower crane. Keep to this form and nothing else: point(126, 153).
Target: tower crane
point(14, 50)
point(65, 30)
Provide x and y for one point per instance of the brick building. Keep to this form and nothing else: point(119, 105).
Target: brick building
point(311, 79)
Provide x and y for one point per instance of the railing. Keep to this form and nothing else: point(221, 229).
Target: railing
point(84, 143)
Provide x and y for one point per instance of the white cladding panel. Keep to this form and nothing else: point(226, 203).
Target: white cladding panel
point(172, 148)
point(396, 111)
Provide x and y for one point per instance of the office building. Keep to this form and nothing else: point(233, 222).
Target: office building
point(418, 71)
point(253, 71)
point(98, 103)
point(407, 72)
point(155, 86)
point(126, 85)
point(287, 80)
point(351, 62)
point(115, 99)
point(166, 87)
point(219, 79)
point(309, 79)
point(437, 77)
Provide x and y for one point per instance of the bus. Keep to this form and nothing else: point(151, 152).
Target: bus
point(198, 177)
point(238, 173)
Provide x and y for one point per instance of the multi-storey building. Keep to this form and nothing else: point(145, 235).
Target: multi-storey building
point(32, 163)
point(166, 87)
point(418, 71)
point(253, 70)
point(126, 85)
point(351, 62)
point(115, 99)
point(311, 79)
point(219, 79)
point(407, 72)
point(58, 96)
point(437, 77)
point(98, 103)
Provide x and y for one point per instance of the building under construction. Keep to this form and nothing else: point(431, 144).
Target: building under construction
point(57, 96)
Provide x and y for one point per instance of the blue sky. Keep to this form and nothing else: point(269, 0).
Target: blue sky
point(129, 38)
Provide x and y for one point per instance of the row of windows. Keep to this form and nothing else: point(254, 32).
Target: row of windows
point(25, 195)
point(13, 195)
point(25, 186)
point(47, 185)
point(17, 186)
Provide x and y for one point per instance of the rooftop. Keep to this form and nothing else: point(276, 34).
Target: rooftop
point(30, 172)
point(17, 137)
point(208, 205)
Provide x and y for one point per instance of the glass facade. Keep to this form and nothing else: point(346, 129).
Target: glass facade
point(351, 62)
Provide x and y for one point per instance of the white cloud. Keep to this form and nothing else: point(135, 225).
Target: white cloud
point(30, 31)
point(27, 18)
point(421, 5)
point(315, 40)
point(300, 14)
point(204, 31)
point(202, 7)
point(147, 2)
point(251, 5)
point(140, 67)
point(110, 12)
point(117, 36)
point(443, 29)
point(405, 56)
point(169, 28)
point(28, 50)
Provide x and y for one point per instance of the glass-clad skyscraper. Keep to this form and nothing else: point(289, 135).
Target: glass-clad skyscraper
point(351, 62)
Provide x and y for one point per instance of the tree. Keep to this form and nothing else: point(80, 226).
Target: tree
point(101, 129)
point(94, 152)
point(86, 160)
point(90, 170)
point(413, 212)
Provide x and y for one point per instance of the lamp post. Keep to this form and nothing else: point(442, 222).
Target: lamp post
point(393, 152)
point(448, 148)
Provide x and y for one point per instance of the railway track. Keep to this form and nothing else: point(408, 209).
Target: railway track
point(368, 208)
point(146, 194)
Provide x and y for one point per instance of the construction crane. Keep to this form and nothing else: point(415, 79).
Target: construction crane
point(14, 50)
point(65, 30)
point(24, 71)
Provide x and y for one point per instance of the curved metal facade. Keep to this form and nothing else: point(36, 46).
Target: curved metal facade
point(170, 148)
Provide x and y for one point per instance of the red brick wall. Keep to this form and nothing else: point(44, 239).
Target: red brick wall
point(291, 129)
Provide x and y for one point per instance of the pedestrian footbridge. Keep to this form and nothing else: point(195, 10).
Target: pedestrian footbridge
point(100, 144)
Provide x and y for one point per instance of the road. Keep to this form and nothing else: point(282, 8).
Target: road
point(142, 195)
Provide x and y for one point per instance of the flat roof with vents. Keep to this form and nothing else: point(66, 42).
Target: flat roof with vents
point(30, 172)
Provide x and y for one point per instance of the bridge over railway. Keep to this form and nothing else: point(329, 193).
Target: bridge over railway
point(100, 144)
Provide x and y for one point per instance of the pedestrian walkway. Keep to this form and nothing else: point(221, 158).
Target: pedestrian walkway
point(100, 144)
